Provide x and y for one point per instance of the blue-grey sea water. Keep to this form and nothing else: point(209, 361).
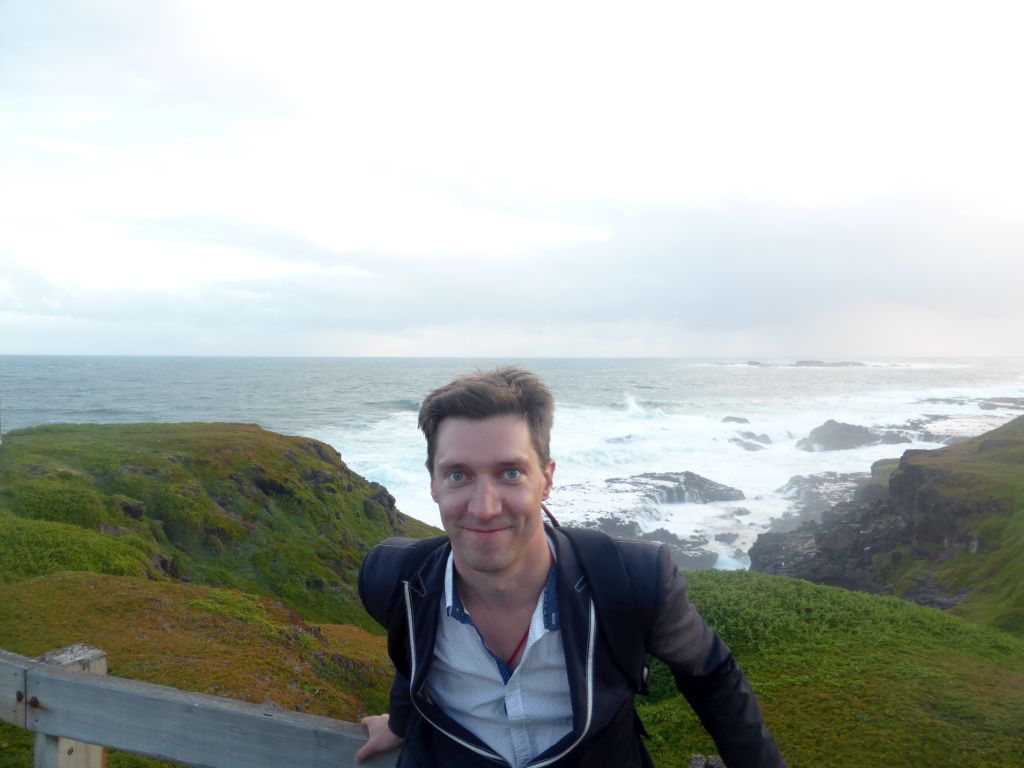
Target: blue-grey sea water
point(615, 417)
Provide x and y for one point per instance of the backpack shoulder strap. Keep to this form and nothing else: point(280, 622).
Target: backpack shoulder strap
point(624, 612)
point(389, 564)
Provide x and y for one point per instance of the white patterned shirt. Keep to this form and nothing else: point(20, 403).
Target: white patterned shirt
point(518, 713)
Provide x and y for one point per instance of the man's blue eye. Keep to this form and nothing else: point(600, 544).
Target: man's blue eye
point(457, 477)
point(512, 474)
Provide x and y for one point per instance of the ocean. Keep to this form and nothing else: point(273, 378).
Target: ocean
point(615, 418)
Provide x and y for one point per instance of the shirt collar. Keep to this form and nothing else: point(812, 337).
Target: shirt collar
point(453, 603)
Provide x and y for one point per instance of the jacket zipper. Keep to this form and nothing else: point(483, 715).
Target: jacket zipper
point(591, 635)
point(412, 677)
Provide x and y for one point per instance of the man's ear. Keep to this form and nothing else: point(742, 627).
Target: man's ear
point(433, 490)
point(549, 476)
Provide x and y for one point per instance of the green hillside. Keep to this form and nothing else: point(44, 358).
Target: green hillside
point(966, 504)
point(121, 537)
point(220, 504)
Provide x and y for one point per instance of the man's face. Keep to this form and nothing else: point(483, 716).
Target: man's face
point(488, 483)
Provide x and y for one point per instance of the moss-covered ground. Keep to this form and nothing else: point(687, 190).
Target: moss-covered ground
point(195, 638)
point(849, 679)
point(227, 505)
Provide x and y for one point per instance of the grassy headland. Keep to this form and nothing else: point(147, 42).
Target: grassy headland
point(136, 511)
point(227, 505)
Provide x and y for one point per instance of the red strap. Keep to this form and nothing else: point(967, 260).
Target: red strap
point(519, 647)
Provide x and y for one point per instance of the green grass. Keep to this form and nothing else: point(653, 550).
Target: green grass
point(848, 679)
point(845, 679)
point(220, 504)
point(197, 639)
point(35, 548)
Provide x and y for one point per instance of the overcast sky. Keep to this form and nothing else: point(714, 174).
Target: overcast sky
point(511, 179)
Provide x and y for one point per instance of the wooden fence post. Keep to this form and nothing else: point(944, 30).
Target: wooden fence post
point(53, 752)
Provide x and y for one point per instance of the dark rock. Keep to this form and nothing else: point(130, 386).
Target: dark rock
point(711, 761)
point(935, 517)
point(735, 420)
point(727, 538)
point(688, 554)
point(167, 565)
point(677, 488)
point(823, 364)
point(327, 453)
point(933, 596)
point(757, 438)
point(384, 499)
point(865, 545)
point(894, 438)
point(746, 444)
point(1013, 403)
point(836, 436)
point(814, 494)
point(838, 551)
point(871, 492)
point(270, 485)
point(133, 508)
point(741, 511)
point(382, 496)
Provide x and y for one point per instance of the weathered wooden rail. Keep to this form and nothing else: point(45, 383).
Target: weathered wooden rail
point(76, 711)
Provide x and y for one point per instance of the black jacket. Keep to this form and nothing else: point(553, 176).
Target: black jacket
point(604, 731)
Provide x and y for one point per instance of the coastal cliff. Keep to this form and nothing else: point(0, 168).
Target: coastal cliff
point(943, 528)
point(221, 558)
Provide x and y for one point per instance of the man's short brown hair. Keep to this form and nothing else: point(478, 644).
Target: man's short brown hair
point(484, 394)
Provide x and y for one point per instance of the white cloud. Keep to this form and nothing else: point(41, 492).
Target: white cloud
point(667, 178)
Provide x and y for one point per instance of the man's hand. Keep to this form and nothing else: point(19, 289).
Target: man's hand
point(381, 737)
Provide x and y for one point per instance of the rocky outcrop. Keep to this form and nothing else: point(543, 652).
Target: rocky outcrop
point(701, 761)
point(633, 508)
point(676, 488)
point(836, 436)
point(750, 441)
point(838, 550)
point(746, 445)
point(688, 554)
point(824, 364)
point(904, 523)
point(812, 495)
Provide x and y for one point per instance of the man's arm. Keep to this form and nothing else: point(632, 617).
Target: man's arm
point(707, 675)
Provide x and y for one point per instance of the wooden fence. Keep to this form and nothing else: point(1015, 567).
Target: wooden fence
point(76, 711)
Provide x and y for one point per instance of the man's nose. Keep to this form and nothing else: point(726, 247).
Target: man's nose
point(486, 500)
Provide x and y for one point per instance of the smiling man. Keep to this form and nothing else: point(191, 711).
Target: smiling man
point(503, 654)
